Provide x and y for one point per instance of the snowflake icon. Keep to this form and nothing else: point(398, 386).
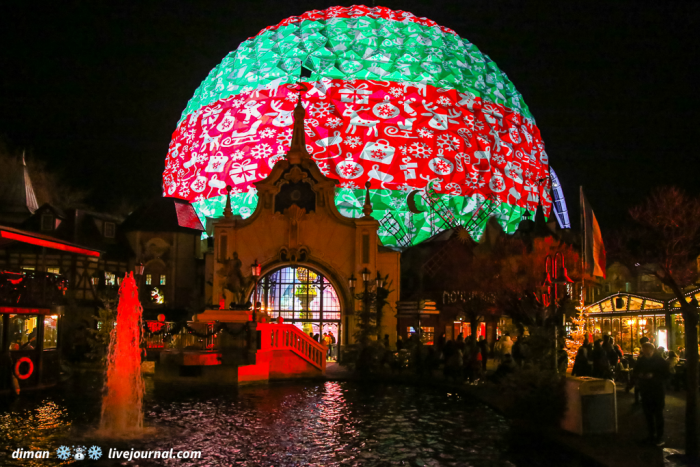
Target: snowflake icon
point(95, 452)
point(63, 453)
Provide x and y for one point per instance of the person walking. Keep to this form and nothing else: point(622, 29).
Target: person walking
point(601, 363)
point(484, 349)
point(652, 372)
point(582, 362)
point(327, 342)
point(504, 347)
point(334, 347)
point(672, 361)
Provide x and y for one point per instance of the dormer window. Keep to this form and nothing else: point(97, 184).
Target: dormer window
point(47, 222)
point(109, 229)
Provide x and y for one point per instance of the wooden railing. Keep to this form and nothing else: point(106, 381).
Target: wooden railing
point(289, 337)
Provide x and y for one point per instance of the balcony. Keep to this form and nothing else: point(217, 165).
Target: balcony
point(31, 289)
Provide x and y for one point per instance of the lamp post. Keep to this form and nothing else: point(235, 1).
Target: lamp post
point(366, 277)
point(255, 273)
point(352, 283)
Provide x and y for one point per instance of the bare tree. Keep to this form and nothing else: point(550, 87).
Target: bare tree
point(665, 243)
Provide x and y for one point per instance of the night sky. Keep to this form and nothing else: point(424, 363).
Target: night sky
point(96, 88)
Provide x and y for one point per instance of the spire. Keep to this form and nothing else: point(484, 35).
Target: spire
point(367, 208)
point(297, 150)
point(228, 212)
point(32, 204)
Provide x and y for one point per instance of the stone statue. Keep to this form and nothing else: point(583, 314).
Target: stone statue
point(233, 279)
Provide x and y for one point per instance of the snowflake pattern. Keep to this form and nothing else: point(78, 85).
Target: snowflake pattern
point(292, 97)
point(425, 133)
point(349, 170)
point(353, 141)
point(268, 133)
point(333, 122)
point(386, 110)
point(498, 159)
point(285, 137)
point(350, 185)
point(396, 92)
point(445, 141)
point(420, 150)
point(261, 151)
point(444, 101)
point(238, 155)
point(473, 181)
point(442, 166)
point(320, 109)
point(237, 102)
point(184, 191)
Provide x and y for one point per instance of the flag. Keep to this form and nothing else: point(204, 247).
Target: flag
point(593, 248)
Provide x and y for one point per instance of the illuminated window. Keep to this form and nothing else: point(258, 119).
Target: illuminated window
point(110, 278)
point(47, 222)
point(109, 229)
point(162, 279)
point(50, 331)
point(53, 270)
point(148, 279)
point(28, 268)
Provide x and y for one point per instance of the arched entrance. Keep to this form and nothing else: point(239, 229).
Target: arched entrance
point(303, 297)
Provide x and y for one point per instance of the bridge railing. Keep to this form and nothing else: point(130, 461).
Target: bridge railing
point(289, 337)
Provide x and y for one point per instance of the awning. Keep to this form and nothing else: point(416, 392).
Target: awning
point(9, 234)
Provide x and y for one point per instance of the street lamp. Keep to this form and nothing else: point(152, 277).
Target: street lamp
point(352, 283)
point(379, 282)
point(365, 276)
point(138, 269)
point(255, 273)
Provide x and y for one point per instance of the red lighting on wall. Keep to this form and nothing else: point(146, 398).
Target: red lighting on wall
point(47, 243)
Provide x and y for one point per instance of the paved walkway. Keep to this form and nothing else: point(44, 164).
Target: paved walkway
point(623, 449)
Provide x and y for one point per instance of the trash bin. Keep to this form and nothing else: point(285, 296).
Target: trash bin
point(591, 406)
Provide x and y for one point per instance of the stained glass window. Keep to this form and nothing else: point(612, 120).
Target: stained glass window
point(300, 296)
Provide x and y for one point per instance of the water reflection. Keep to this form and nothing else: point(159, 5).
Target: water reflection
point(281, 425)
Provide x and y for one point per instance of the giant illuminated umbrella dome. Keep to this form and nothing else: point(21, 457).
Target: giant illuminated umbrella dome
point(392, 99)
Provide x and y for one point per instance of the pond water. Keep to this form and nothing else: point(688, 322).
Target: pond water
point(300, 423)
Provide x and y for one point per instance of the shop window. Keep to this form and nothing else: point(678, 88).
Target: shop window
point(47, 223)
point(53, 270)
point(23, 332)
point(149, 279)
point(28, 268)
point(109, 230)
point(50, 331)
point(162, 279)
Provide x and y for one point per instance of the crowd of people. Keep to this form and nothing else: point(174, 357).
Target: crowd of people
point(463, 358)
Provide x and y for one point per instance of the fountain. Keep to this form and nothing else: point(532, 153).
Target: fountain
point(122, 413)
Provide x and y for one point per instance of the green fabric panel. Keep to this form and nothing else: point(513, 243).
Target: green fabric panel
point(358, 48)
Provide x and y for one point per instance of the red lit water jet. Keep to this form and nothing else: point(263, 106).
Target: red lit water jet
point(123, 394)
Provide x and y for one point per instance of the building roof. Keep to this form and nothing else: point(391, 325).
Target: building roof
point(164, 215)
point(9, 235)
